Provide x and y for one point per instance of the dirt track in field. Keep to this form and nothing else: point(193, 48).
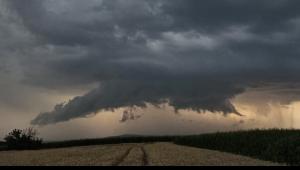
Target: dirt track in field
point(161, 154)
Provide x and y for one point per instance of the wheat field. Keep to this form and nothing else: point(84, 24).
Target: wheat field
point(157, 154)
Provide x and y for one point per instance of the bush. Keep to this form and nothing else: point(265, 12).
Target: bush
point(23, 139)
point(2, 146)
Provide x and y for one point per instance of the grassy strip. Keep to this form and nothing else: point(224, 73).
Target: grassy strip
point(103, 141)
point(113, 140)
point(282, 146)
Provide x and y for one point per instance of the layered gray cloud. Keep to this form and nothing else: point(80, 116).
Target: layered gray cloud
point(192, 54)
point(180, 94)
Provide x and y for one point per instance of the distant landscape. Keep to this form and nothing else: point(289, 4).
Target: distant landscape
point(281, 146)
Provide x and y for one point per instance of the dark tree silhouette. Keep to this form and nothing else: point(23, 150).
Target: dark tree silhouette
point(23, 139)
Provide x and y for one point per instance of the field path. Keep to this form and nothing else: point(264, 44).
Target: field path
point(161, 154)
point(135, 156)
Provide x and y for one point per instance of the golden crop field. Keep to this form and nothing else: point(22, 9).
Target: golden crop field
point(126, 155)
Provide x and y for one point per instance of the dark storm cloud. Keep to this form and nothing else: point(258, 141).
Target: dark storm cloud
point(265, 15)
point(193, 54)
point(116, 94)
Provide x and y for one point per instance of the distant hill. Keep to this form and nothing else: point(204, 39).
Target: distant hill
point(134, 136)
point(128, 136)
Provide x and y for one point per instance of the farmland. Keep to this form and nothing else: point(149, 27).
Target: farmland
point(125, 155)
point(281, 146)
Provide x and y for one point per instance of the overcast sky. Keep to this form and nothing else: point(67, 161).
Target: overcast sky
point(61, 60)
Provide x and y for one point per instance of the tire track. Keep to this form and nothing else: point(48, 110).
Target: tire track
point(122, 158)
point(133, 156)
point(145, 157)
